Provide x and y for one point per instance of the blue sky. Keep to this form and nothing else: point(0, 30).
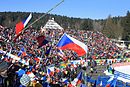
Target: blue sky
point(94, 9)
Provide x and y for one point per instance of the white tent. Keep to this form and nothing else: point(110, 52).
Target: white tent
point(51, 24)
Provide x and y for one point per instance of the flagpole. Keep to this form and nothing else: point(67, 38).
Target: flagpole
point(86, 82)
point(42, 16)
point(42, 54)
point(38, 19)
point(60, 38)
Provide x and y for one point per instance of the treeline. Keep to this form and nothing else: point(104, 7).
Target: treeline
point(112, 27)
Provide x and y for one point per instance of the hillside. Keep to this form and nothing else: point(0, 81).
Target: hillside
point(112, 27)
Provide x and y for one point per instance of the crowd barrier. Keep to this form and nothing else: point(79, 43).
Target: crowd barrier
point(123, 75)
point(121, 64)
point(104, 80)
point(123, 78)
point(110, 61)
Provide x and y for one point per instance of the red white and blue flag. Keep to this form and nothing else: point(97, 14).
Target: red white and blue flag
point(66, 81)
point(60, 53)
point(77, 80)
point(50, 71)
point(100, 84)
point(68, 42)
point(112, 81)
point(21, 25)
point(22, 52)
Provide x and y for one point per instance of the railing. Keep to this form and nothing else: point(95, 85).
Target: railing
point(123, 75)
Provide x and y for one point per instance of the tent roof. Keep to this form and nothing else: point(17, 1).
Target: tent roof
point(51, 24)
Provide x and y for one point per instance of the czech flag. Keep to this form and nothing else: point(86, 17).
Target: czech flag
point(48, 51)
point(78, 79)
point(64, 80)
point(20, 26)
point(50, 71)
point(67, 42)
point(22, 52)
point(112, 81)
point(73, 65)
point(60, 53)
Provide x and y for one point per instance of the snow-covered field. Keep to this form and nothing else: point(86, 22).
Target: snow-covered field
point(123, 69)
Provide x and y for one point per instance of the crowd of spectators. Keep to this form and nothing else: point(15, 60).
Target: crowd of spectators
point(36, 61)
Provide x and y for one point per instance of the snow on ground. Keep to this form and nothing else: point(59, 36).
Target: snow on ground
point(123, 69)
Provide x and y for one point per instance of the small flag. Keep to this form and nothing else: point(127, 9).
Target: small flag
point(65, 81)
point(48, 51)
point(112, 81)
point(50, 71)
point(78, 79)
point(41, 41)
point(60, 53)
point(73, 65)
point(22, 52)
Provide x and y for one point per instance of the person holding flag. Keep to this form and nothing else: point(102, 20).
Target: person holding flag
point(112, 81)
point(22, 24)
point(68, 42)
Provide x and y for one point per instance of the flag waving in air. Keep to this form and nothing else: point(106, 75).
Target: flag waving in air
point(50, 71)
point(112, 81)
point(68, 42)
point(22, 52)
point(60, 53)
point(21, 25)
point(77, 80)
point(42, 41)
point(48, 51)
